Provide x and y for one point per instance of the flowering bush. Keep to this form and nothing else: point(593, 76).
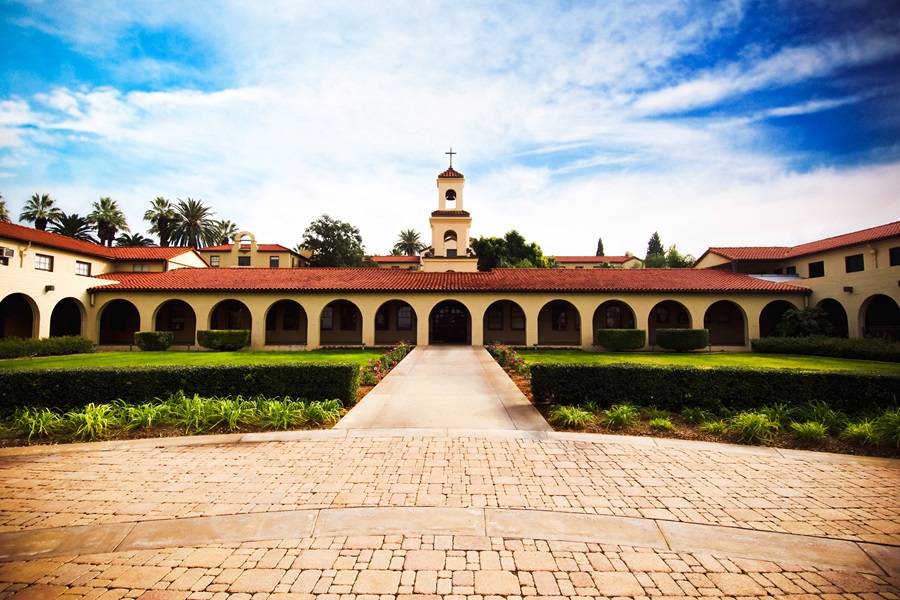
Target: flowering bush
point(508, 358)
point(381, 366)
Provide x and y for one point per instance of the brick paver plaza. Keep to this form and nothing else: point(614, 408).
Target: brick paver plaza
point(390, 512)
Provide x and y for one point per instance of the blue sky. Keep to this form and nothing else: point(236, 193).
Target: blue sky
point(715, 123)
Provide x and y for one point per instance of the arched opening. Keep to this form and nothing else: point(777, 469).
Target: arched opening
point(286, 324)
point(450, 323)
point(837, 315)
point(450, 244)
point(66, 318)
point(667, 314)
point(178, 317)
point(613, 314)
point(340, 324)
point(559, 324)
point(504, 321)
point(395, 321)
point(119, 321)
point(881, 317)
point(771, 315)
point(231, 314)
point(726, 324)
point(450, 196)
point(17, 316)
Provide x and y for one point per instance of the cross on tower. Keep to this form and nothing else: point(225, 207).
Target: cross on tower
point(451, 153)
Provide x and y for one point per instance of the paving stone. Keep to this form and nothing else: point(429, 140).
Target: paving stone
point(499, 583)
point(377, 582)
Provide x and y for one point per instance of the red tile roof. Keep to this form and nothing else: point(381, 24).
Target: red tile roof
point(451, 173)
point(260, 247)
point(62, 242)
point(396, 259)
point(403, 280)
point(592, 259)
point(450, 213)
point(784, 252)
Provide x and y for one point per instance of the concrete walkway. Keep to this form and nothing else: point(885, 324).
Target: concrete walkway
point(433, 510)
point(445, 387)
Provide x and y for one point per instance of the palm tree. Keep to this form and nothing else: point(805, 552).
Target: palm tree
point(409, 242)
point(4, 214)
point(73, 226)
point(225, 231)
point(135, 240)
point(161, 217)
point(39, 210)
point(193, 224)
point(109, 219)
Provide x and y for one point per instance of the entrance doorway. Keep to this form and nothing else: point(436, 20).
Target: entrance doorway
point(450, 323)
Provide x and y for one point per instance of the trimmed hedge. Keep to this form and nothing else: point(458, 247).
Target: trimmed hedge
point(153, 340)
point(71, 388)
point(677, 387)
point(682, 340)
point(14, 347)
point(861, 348)
point(223, 339)
point(622, 339)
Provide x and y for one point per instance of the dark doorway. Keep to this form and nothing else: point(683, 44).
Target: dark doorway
point(65, 318)
point(450, 323)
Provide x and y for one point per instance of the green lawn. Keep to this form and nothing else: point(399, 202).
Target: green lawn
point(715, 359)
point(140, 359)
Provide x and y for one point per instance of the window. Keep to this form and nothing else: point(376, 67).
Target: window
point(271, 321)
point(614, 317)
point(243, 261)
point(854, 263)
point(381, 320)
point(214, 260)
point(495, 318)
point(662, 314)
point(82, 268)
point(404, 318)
point(516, 318)
point(140, 267)
point(560, 316)
point(778, 271)
point(895, 256)
point(790, 271)
point(817, 269)
point(42, 262)
point(177, 316)
point(327, 321)
point(273, 262)
point(4, 261)
point(348, 318)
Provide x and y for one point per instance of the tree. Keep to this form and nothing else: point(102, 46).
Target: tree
point(132, 241)
point(108, 219)
point(409, 242)
point(599, 247)
point(656, 254)
point(4, 213)
point(676, 260)
point(226, 231)
point(73, 226)
point(510, 251)
point(161, 217)
point(333, 243)
point(39, 210)
point(193, 224)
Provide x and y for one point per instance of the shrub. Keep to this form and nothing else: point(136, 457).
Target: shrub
point(620, 416)
point(65, 389)
point(571, 417)
point(862, 432)
point(753, 427)
point(810, 431)
point(887, 427)
point(507, 358)
point(13, 347)
point(376, 369)
point(674, 387)
point(622, 339)
point(682, 340)
point(804, 322)
point(223, 339)
point(153, 340)
point(882, 349)
point(661, 423)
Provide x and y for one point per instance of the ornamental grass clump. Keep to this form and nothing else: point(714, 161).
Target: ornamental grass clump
point(862, 432)
point(753, 427)
point(571, 417)
point(91, 422)
point(40, 422)
point(887, 427)
point(662, 424)
point(715, 427)
point(621, 415)
point(810, 431)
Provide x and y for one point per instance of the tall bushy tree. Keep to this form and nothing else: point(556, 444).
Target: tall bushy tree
point(193, 224)
point(333, 243)
point(599, 247)
point(40, 209)
point(409, 242)
point(73, 226)
point(4, 213)
point(510, 251)
point(656, 253)
point(226, 231)
point(132, 241)
point(109, 219)
point(161, 217)
point(677, 260)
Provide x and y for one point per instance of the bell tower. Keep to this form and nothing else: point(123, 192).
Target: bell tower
point(450, 223)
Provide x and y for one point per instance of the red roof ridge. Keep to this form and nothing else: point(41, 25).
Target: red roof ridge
point(451, 173)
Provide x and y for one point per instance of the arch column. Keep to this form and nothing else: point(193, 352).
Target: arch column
point(257, 324)
point(368, 328)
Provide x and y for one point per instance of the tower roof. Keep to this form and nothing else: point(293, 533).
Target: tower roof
point(451, 173)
